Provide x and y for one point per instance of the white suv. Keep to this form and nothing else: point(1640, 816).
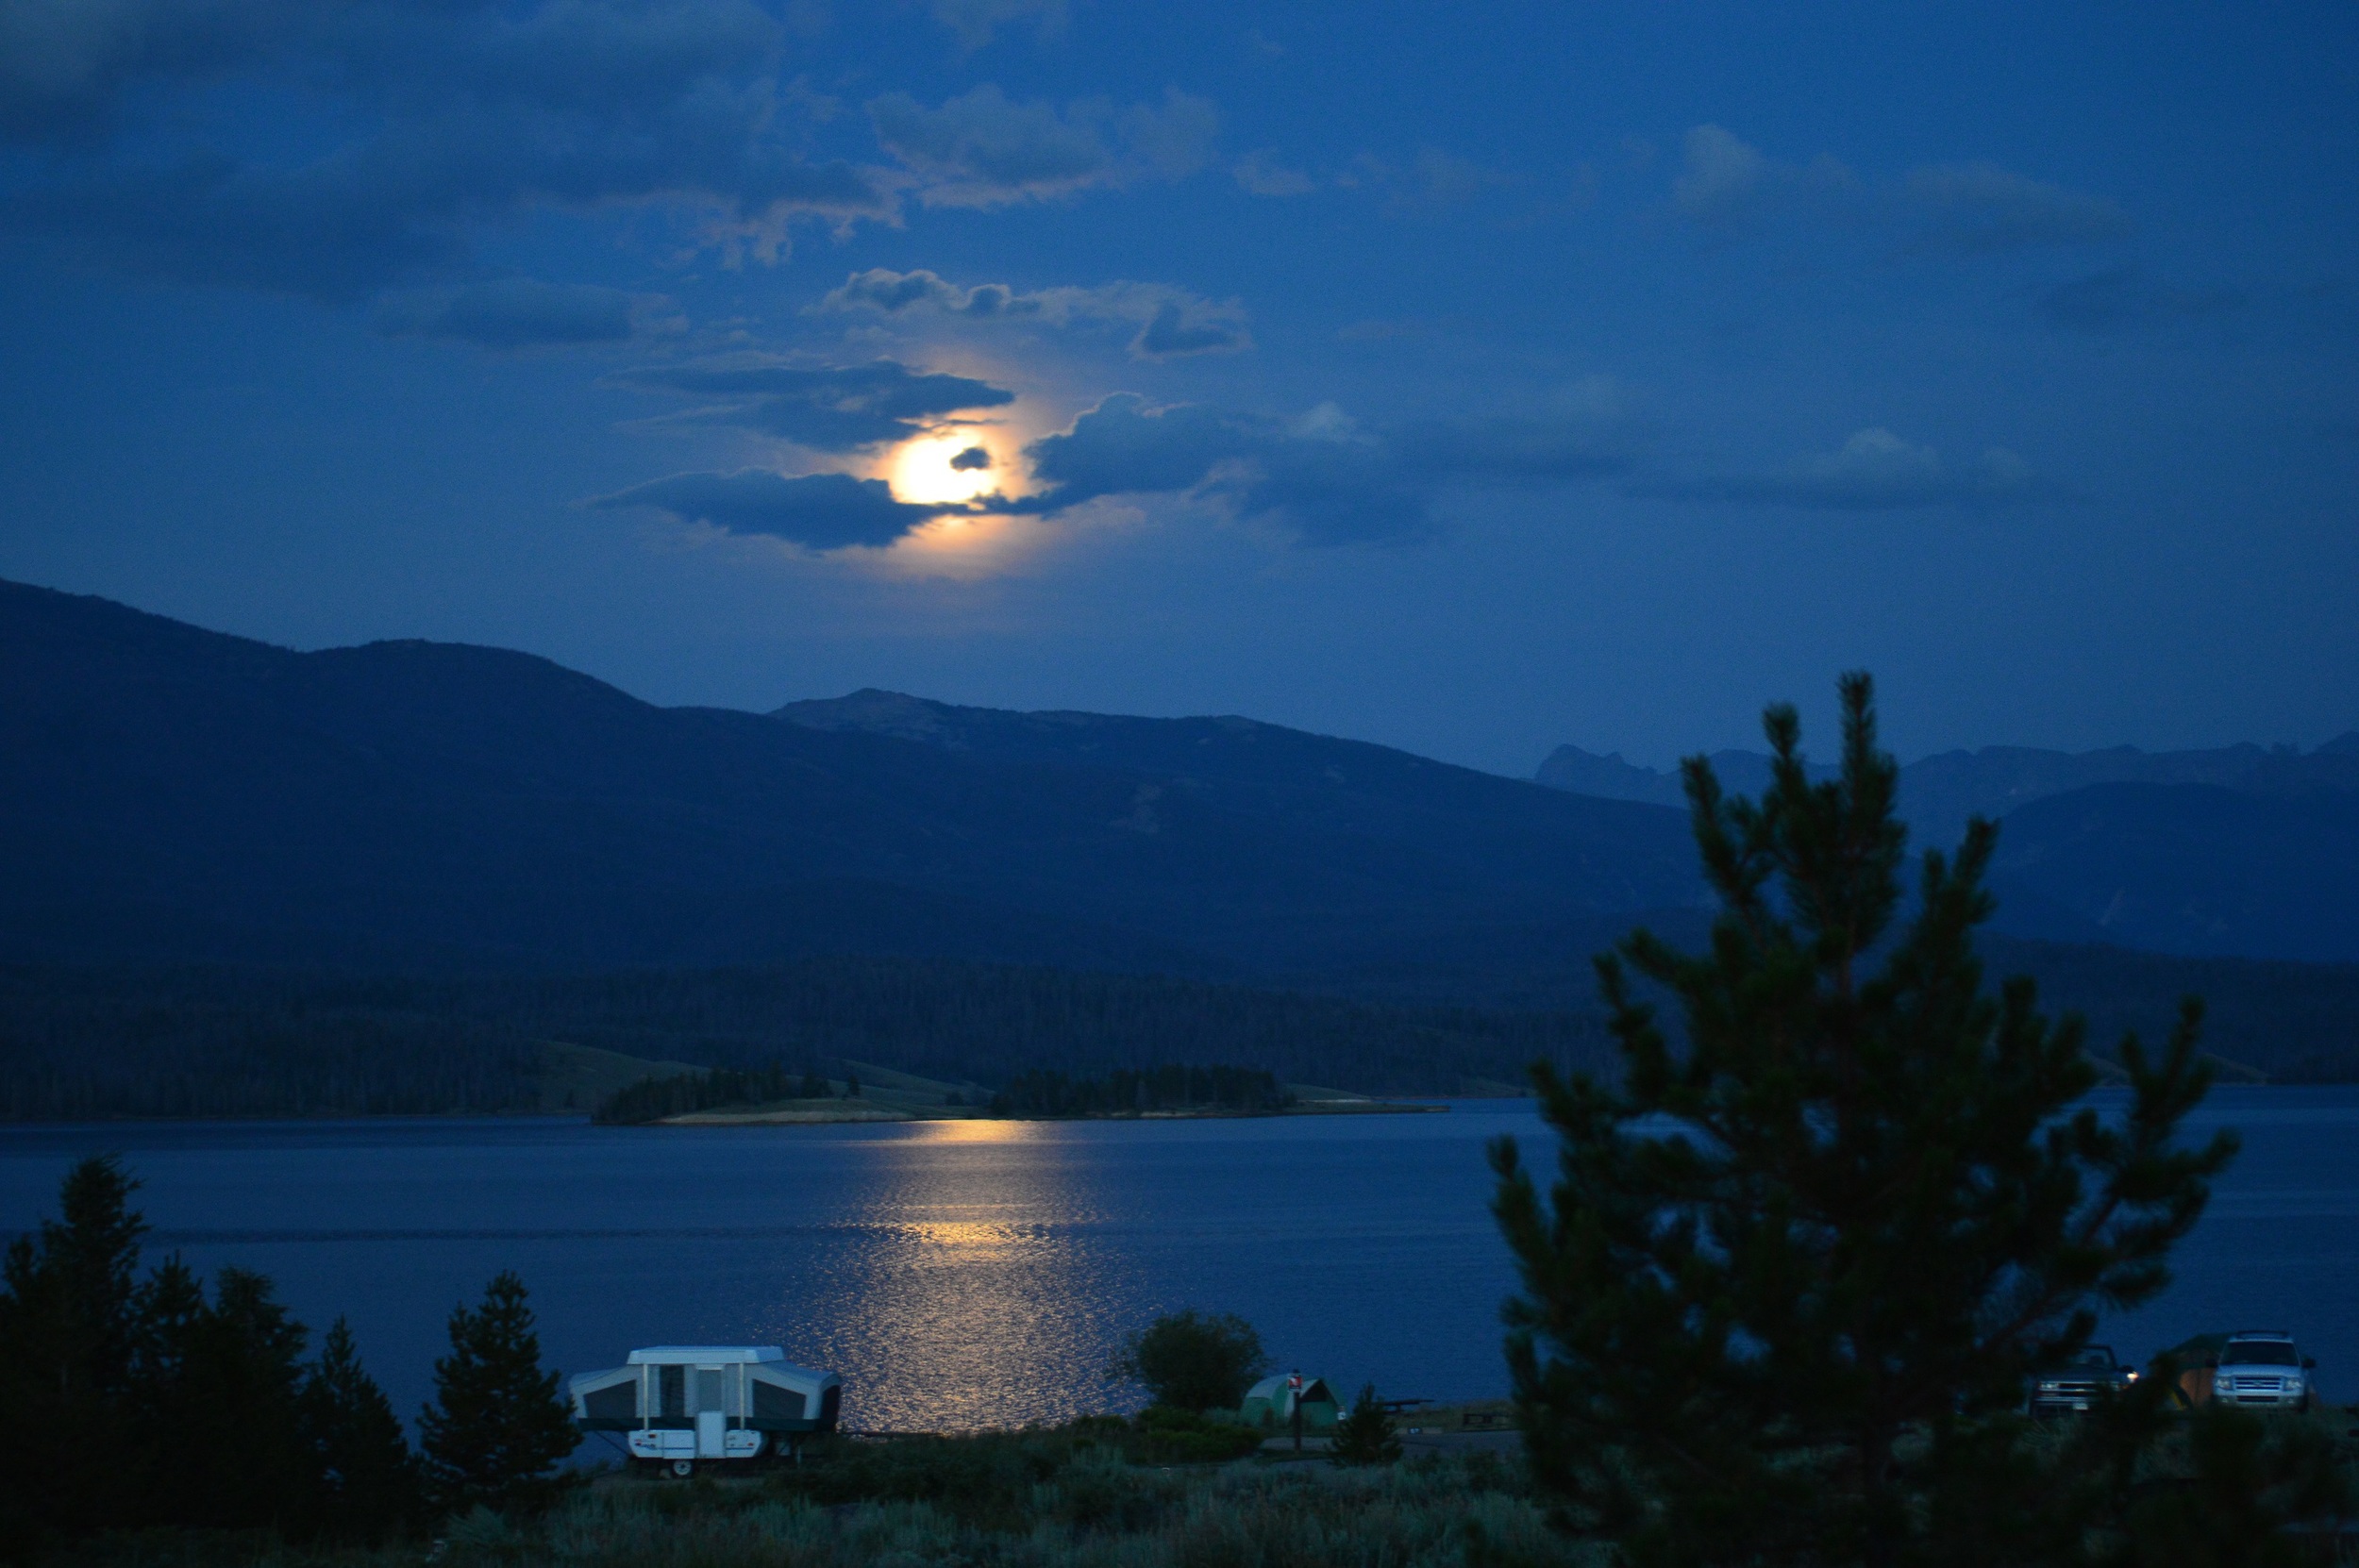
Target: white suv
point(2261, 1369)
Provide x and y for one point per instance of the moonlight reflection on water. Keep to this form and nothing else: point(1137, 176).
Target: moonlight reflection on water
point(977, 1273)
point(975, 1278)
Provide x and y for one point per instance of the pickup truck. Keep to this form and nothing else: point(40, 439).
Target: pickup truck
point(2093, 1368)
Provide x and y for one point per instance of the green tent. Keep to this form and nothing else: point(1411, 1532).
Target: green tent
point(1270, 1404)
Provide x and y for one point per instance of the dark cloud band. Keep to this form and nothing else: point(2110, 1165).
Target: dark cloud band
point(512, 313)
point(825, 407)
point(819, 511)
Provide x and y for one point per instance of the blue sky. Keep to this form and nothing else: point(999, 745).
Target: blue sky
point(1471, 379)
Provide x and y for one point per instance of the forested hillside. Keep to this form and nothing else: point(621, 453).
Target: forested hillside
point(213, 1041)
point(231, 1043)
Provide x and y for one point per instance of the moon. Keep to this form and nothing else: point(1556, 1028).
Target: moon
point(953, 465)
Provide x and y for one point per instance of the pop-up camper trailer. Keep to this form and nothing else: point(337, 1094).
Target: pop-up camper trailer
point(681, 1404)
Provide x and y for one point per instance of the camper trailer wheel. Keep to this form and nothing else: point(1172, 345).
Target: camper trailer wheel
point(683, 1468)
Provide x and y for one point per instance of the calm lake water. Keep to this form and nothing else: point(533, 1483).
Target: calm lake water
point(965, 1274)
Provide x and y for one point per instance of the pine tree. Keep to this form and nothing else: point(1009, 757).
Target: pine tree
point(367, 1486)
point(1364, 1434)
point(171, 1311)
point(497, 1427)
point(1779, 1304)
point(68, 1323)
point(227, 1450)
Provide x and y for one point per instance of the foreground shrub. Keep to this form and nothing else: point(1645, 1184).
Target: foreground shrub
point(1093, 1510)
point(1193, 1361)
point(1161, 1435)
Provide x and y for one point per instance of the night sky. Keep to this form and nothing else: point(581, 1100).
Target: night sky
point(1470, 378)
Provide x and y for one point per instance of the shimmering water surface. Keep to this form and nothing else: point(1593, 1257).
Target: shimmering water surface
point(962, 1274)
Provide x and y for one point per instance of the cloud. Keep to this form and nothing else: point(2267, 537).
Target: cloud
point(1725, 183)
point(2121, 297)
point(205, 220)
point(1171, 322)
point(1125, 445)
point(819, 511)
point(1323, 476)
point(1169, 333)
point(823, 407)
point(983, 149)
point(66, 67)
point(1431, 182)
point(517, 312)
point(977, 22)
point(416, 126)
point(1981, 206)
point(972, 459)
point(1588, 434)
point(1260, 174)
point(1721, 173)
point(1435, 179)
point(1874, 471)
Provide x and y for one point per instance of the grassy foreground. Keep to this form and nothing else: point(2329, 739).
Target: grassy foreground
point(1036, 1500)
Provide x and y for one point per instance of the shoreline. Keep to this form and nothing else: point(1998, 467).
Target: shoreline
point(808, 1114)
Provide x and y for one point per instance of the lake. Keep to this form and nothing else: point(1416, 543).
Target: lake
point(966, 1274)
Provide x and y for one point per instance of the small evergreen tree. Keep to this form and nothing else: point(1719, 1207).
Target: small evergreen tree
point(1366, 1435)
point(497, 1426)
point(1193, 1361)
point(367, 1485)
point(1795, 1268)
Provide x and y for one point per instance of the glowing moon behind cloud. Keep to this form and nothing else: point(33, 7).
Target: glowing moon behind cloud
point(943, 467)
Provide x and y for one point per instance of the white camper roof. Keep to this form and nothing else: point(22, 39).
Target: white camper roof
point(704, 1355)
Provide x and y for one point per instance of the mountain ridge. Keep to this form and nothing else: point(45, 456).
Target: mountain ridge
point(212, 799)
point(422, 795)
point(1939, 792)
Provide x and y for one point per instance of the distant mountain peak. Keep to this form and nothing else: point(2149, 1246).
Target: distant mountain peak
point(958, 728)
point(1938, 794)
point(876, 711)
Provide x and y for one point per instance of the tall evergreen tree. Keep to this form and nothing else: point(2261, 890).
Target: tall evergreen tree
point(367, 1482)
point(162, 1405)
point(497, 1426)
point(69, 1324)
point(1779, 1304)
point(225, 1423)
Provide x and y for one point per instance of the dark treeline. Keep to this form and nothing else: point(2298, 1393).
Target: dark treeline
point(89, 1044)
point(101, 1042)
point(157, 1403)
point(1123, 1091)
point(86, 1044)
point(652, 1099)
point(985, 1022)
